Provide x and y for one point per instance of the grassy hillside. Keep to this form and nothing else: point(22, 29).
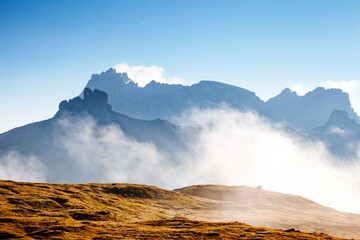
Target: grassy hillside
point(108, 211)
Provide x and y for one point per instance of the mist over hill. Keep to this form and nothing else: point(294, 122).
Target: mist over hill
point(304, 114)
point(72, 211)
point(211, 140)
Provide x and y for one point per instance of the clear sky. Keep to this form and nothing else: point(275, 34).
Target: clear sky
point(49, 49)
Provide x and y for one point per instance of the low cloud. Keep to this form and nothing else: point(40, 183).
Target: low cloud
point(300, 89)
point(17, 167)
point(145, 74)
point(244, 149)
point(232, 148)
point(106, 154)
point(338, 130)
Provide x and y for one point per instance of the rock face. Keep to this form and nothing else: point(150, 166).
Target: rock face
point(92, 99)
point(341, 119)
point(157, 100)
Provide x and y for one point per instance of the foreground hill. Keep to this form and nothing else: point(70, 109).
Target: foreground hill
point(107, 211)
point(271, 209)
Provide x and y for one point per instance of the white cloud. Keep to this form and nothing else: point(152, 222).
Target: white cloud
point(106, 154)
point(352, 87)
point(346, 86)
point(300, 89)
point(16, 167)
point(238, 148)
point(233, 148)
point(143, 74)
point(338, 130)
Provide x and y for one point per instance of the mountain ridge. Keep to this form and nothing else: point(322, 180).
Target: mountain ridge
point(161, 100)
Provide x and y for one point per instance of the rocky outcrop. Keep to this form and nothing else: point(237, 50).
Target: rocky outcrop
point(91, 99)
point(341, 118)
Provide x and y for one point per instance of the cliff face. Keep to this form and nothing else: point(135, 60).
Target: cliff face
point(95, 102)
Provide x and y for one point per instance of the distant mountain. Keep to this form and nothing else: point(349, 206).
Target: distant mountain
point(46, 139)
point(157, 100)
point(308, 111)
point(341, 135)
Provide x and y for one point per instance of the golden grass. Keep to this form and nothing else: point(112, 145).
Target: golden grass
point(118, 211)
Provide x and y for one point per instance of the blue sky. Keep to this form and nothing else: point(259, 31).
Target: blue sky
point(49, 49)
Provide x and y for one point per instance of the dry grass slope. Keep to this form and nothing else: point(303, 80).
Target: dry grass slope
point(118, 211)
point(276, 210)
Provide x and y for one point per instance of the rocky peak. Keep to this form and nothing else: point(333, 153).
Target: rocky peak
point(110, 76)
point(96, 96)
point(340, 118)
point(92, 99)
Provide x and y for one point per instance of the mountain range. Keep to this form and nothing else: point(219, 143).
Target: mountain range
point(320, 115)
point(312, 114)
point(159, 100)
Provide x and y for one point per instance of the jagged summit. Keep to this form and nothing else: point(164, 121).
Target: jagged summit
point(92, 99)
point(111, 78)
point(96, 96)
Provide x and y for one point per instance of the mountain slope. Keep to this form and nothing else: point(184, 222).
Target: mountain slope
point(271, 209)
point(111, 210)
point(341, 134)
point(61, 144)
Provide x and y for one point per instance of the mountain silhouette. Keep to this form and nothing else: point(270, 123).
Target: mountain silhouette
point(42, 139)
point(159, 100)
